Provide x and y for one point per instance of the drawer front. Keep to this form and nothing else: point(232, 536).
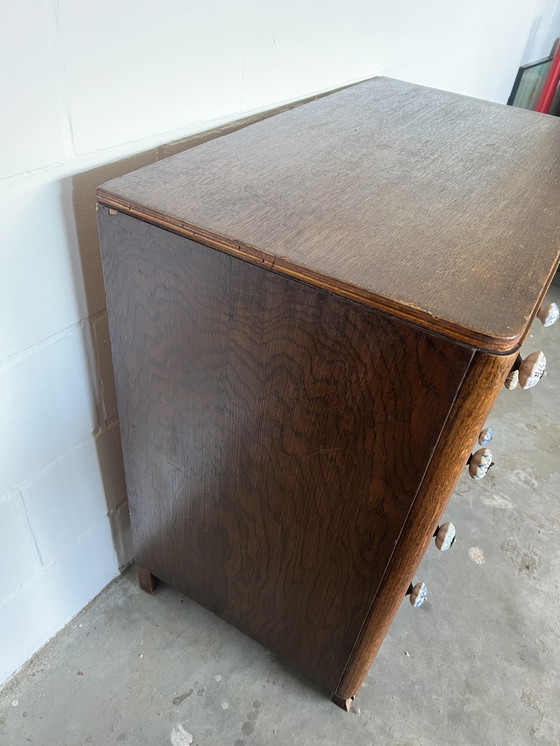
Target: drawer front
point(274, 435)
point(482, 384)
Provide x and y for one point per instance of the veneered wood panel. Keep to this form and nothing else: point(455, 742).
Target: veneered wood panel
point(482, 384)
point(439, 208)
point(275, 436)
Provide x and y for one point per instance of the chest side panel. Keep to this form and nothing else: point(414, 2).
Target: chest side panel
point(275, 436)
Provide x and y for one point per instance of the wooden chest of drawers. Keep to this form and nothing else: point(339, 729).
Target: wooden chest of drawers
point(310, 320)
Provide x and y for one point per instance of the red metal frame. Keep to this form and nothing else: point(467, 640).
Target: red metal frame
point(550, 85)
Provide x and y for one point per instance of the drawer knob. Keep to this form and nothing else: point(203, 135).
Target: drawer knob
point(513, 376)
point(532, 369)
point(445, 536)
point(418, 594)
point(485, 436)
point(548, 314)
point(479, 463)
point(512, 380)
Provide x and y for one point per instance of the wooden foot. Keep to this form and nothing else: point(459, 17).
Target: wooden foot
point(344, 704)
point(146, 580)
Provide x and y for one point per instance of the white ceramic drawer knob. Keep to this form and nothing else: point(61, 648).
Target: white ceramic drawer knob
point(512, 380)
point(418, 594)
point(548, 314)
point(532, 369)
point(479, 463)
point(445, 536)
point(485, 436)
point(513, 376)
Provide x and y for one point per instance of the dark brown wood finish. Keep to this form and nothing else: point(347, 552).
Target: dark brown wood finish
point(438, 208)
point(299, 387)
point(275, 437)
point(484, 379)
point(146, 580)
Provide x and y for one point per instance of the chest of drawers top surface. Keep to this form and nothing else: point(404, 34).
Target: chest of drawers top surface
point(440, 209)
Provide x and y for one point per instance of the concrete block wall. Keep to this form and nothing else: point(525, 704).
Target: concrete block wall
point(92, 90)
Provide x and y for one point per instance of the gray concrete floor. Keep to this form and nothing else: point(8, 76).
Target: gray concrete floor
point(478, 664)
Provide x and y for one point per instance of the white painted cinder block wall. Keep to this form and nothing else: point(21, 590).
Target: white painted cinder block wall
point(85, 85)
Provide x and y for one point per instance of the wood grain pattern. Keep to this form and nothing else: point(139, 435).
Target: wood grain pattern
point(481, 386)
point(146, 580)
point(274, 436)
point(411, 200)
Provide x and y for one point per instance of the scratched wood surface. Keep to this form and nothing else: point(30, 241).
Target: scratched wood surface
point(274, 435)
point(439, 208)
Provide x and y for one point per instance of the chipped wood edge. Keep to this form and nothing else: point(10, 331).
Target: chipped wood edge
point(344, 704)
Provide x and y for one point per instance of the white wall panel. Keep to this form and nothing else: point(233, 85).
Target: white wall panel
point(46, 407)
point(136, 68)
point(65, 501)
point(18, 558)
point(40, 284)
point(32, 114)
point(51, 598)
